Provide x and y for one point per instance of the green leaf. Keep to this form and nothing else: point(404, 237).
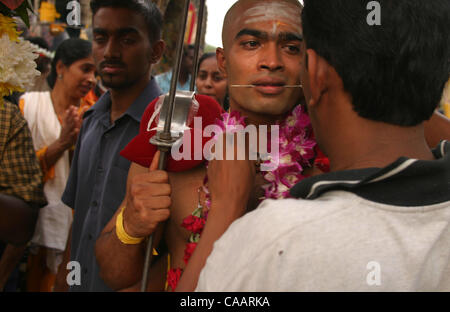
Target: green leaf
point(22, 12)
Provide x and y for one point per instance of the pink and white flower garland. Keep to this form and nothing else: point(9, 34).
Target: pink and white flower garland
point(296, 151)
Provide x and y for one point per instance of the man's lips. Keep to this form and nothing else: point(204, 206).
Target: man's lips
point(112, 68)
point(269, 86)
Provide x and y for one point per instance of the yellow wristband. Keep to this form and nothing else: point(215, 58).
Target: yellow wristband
point(122, 235)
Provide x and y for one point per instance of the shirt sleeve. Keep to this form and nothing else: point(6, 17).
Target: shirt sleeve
point(68, 197)
point(21, 175)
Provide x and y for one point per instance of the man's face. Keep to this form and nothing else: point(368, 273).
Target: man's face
point(188, 60)
point(262, 50)
point(121, 47)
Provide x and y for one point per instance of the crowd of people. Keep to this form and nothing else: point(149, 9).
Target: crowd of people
point(362, 175)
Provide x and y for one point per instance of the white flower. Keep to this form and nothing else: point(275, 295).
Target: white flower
point(17, 65)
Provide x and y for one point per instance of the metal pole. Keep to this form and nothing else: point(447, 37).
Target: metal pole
point(165, 135)
point(198, 38)
point(175, 74)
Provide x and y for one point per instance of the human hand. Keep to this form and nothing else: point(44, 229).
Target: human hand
point(70, 127)
point(148, 201)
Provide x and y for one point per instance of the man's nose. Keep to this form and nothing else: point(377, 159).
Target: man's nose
point(112, 49)
point(271, 58)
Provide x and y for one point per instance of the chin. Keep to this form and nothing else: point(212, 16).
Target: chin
point(115, 83)
point(271, 109)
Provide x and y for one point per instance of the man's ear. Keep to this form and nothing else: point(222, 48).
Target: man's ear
point(221, 61)
point(157, 51)
point(60, 67)
point(317, 69)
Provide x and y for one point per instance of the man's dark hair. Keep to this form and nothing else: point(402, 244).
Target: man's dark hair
point(68, 52)
point(396, 71)
point(150, 11)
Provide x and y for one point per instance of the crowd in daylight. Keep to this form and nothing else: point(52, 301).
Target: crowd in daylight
point(348, 191)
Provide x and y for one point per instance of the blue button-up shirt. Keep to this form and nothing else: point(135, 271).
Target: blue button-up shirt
point(97, 180)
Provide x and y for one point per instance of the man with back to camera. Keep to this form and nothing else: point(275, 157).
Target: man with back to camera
point(379, 221)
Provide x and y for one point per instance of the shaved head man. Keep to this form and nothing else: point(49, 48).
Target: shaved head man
point(261, 57)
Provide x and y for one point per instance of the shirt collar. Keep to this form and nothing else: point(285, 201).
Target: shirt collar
point(136, 109)
point(405, 182)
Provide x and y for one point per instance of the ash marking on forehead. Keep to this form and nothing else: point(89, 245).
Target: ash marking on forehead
point(273, 11)
point(280, 12)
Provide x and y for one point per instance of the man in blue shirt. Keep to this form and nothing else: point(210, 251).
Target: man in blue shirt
point(184, 81)
point(126, 43)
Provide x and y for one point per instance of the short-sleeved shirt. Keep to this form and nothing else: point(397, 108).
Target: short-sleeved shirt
point(164, 81)
point(370, 229)
point(20, 173)
point(97, 180)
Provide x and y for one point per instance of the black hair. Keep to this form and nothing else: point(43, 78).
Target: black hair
point(68, 52)
point(396, 71)
point(149, 10)
point(205, 56)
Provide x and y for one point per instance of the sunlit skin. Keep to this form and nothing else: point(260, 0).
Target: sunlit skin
point(264, 53)
point(210, 81)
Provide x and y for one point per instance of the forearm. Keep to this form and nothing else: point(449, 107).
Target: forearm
point(17, 220)
point(120, 264)
point(219, 219)
point(157, 277)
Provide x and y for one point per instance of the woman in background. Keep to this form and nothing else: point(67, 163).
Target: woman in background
point(54, 118)
point(210, 80)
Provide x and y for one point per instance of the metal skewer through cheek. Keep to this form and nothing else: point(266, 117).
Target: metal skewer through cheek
point(254, 86)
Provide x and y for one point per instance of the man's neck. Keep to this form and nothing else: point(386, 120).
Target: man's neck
point(375, 145)
point(253, 118)
point(121, 99)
